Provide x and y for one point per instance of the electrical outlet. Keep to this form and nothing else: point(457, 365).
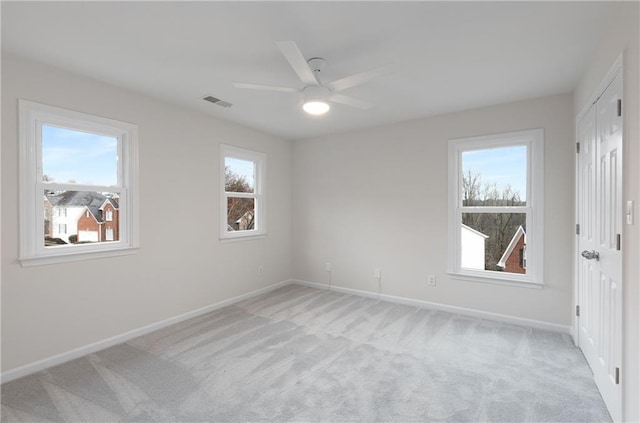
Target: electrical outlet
point(327, 267)
point(260, 270)
point(432, 280)
point(377, 274)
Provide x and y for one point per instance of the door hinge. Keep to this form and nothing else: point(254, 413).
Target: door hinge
point(618, 242)
point(577, 311)
point(577, 229)
point(577, 148)
point(619, 107)
point(617, 375)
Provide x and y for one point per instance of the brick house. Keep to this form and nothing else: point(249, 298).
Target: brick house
point(99, 221)
point(85, 215)
point(514, 259)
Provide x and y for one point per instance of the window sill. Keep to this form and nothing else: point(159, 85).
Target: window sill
point(242, 238)
point(75, 256)
point(519, 283)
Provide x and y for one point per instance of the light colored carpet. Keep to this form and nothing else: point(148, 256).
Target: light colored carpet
point(302, 354)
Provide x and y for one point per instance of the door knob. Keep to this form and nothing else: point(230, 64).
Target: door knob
point(591, 255)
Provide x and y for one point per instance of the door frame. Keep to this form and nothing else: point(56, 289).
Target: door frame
point(615, 70)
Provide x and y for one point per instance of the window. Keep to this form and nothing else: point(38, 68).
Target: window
point(109, 234)
point(109, 215)
point(242, 202)
point(496, 208)
point(74, 162)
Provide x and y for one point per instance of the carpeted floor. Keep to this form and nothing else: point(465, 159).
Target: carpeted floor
point(302, 354)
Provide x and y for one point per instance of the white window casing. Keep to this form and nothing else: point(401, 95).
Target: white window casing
point(534, 208)
point(259, 195)
point(32, 117)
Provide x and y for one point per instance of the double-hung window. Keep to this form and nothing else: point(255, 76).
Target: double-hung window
point(242, 200)
point(496, 208)
point(70, 164)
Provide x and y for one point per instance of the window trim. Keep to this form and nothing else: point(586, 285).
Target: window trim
point(259, 194)
point(534, 140)
point(32, 116)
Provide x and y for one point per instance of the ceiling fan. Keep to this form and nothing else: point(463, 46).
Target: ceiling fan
point(315, 94)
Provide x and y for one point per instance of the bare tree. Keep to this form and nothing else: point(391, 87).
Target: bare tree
point(240, 211)
point(500, 227)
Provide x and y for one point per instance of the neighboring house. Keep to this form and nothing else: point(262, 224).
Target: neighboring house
point(245, 222)
point(71, 212)
point(99, 221)
point(472, 248)
point(514, 259)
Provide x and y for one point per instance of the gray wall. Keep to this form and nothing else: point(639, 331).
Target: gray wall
point(377, 198)
point(181, 265)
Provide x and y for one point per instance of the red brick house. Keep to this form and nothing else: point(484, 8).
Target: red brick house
point(514, 259)
point(99, 222)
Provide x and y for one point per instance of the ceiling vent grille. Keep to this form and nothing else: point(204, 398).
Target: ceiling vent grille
point(217, 101)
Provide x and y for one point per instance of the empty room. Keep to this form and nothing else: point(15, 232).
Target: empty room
point(320, 211)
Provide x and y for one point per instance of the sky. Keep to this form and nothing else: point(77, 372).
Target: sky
point(243, 168)
point(69, 155)
point(504, 165)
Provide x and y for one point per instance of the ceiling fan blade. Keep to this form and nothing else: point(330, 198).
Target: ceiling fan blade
point(350, 101)
point(360, 78)
point(295, 58)
point(264, 87)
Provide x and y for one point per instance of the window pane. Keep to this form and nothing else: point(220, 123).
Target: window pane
point(239, 175)
point(494, 241)
point(240, 214)
point(494, 177)
point(70, 156)
point(80, 217)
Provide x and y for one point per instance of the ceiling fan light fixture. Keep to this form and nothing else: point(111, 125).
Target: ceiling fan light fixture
point(315, 100)
point(316, 107)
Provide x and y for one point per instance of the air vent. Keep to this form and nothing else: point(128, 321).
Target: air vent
point(217, 101)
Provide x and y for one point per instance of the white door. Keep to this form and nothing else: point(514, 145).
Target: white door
point(600, 263)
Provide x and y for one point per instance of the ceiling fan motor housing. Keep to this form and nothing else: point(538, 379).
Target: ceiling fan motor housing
point(315, 92)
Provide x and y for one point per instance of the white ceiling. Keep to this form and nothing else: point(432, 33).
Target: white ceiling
point(450, 56)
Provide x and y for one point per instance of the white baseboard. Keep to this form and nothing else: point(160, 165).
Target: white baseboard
point(46, 363)
point(57, 359)
point(536, 324)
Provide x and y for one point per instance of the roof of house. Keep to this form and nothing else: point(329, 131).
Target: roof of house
point(94, 208)
point(80, 198)
point(520, 232)
point(113, 202)
point(473, 231)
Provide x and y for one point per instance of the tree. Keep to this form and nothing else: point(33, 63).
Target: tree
point(500, 227)
point(240, 211)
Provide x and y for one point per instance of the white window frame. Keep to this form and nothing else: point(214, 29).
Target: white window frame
point(534, 209)
point(108, 215)
point(260, 224)
point(32, 116)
